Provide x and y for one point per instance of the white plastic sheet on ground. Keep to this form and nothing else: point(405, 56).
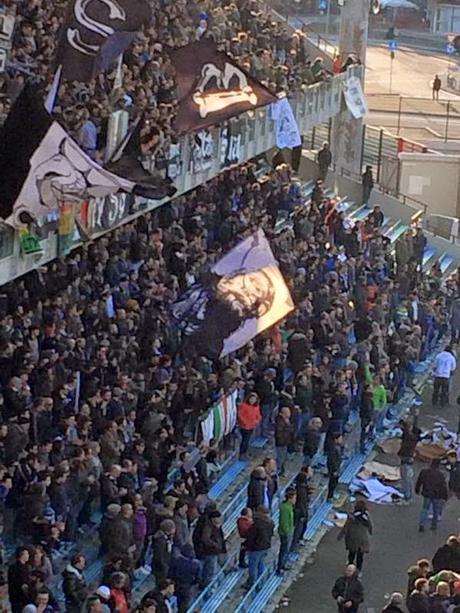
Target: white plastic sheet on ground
point(375, 491)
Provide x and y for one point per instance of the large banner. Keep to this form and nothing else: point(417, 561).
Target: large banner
point(211, 87)
point(354, 97)
point(96, 32)
point(243, 295)
point(287, 130)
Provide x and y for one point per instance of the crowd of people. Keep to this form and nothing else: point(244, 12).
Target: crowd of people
point(269, 50)
point(99, 403)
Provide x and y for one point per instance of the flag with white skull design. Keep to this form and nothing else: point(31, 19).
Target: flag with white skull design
point(41, 167)
point(96, 32)
point(211, 87)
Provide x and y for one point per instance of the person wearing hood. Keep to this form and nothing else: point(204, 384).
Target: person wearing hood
point(185, 570)
point(356, 532)
point(258, 543)
point(74, 585)
point(302, 503)
point(348, 591)
point(103, 593)
point(395, 604)
point(453, 466)
point(257, 489)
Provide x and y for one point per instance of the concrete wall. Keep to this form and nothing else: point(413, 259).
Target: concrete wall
point(351, 187)
point(432, 179)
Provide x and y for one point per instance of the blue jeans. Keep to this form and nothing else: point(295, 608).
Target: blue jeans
point(209, 569)
point(256, 565)
point(435, 504)
point(407, 480)
point(285, 546)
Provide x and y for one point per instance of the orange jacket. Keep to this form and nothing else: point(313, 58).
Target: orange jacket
point(249, 416)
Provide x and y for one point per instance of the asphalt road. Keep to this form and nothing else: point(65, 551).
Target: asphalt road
point(395, 545)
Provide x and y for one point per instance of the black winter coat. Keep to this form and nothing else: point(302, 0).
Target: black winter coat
point(350, 588)
point(213, 540)
point(447, 557)
point(418, 603)
point(284, 432)
point(303, 490)
point(74, 588)
point(260, 534)
point(454, 478)
point(311, 442)
point(256, 491)
point(431, 483)
point(161, 558)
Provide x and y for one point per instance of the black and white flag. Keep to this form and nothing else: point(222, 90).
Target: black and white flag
point(243, 294)
point(96, 32)
point(41, 166)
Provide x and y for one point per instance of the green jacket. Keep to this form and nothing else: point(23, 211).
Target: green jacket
point(379, 396)
point(286, 525)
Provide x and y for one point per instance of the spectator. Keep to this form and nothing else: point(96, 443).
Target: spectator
point(348, 591)
point(257, 489)
point(74, 585)
point(18, 580)
point(334, 460)
point(444, 365)
point(258, 543)
point(162, 544)
point(185, 571)
point(284, 437)
point(419, 601)
point(356, 532)
point(249, 417)
point(119, 592)
point(213, 546)
point(302, 504)
point(244, 524)
point(368, 185)
point(286, 528)
point(395, 604)
point(324, 161)
point(431, 484)
point(312, 441)
point(161, 596)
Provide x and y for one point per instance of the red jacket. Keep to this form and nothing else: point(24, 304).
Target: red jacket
point(249, 416)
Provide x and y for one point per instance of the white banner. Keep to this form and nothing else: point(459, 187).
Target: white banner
point(354, 97)
point(287, 130)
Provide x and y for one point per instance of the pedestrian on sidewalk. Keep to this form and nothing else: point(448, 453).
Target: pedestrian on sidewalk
point(431, 484)
point(348, 591)
point(410, 437)
point(334, 460)
point(244, 524)
point(444, 366)
point(368, 185)
point(249, 417)
point(303, 490)
point(436, 86)
point(324, 161)
point(258, 543)
point(286, 528)
point(356, 533)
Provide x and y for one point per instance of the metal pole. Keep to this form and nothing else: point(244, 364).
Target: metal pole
point(328, 17)
point(379, 155)
point(447, 122)
point(399, 114)
point(392, 55)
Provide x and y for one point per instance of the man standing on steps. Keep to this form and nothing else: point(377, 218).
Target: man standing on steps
point(444, 366)
point(368, 184)
point(258, 543)
point(431, 484)
point(286, 528)
point(324, 161)
point(410, 437)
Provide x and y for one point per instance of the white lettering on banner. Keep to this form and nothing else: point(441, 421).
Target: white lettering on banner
point(202, 150)
point(107, 212)
point(354, 97)
point(287, 130)
point(230, 147)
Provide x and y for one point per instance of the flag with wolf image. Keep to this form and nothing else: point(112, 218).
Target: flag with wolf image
point(41, 166)
point(211, 87)
point(243, 294)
